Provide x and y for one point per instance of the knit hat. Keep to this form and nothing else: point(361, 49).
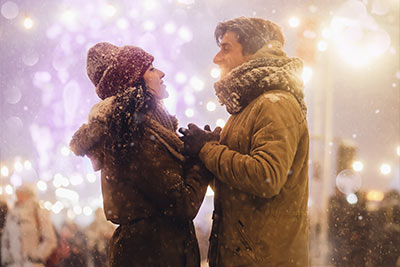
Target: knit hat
point(113, 69)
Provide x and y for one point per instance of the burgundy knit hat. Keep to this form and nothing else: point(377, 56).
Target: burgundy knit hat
point(113, 69)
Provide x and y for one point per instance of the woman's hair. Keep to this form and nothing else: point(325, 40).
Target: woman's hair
point(125, 126)
point(252, 33)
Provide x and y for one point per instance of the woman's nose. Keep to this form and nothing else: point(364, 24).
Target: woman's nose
point(162, 74)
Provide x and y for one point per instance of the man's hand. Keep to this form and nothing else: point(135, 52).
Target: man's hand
point(194, 138)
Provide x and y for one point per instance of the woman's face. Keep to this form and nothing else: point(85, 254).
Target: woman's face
point(154, 83)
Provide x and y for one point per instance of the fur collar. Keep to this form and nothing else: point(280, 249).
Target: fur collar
point(263, 73)
point(87, 139)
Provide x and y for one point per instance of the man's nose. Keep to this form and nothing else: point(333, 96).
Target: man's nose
point(217, 58)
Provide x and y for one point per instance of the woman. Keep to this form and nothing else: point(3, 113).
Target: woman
point(148, 187)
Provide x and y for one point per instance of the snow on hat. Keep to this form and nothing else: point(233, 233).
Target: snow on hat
point(113, 69)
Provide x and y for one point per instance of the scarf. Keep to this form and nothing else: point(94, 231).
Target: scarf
point(251, 79)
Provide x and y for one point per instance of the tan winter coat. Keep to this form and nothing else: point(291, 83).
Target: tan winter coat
point(261, 186)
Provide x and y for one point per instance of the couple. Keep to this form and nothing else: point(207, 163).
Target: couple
point(154, 181)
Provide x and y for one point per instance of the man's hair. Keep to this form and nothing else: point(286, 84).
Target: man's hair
point(252, 33)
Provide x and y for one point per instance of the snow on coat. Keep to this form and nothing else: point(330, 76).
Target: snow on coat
point(261, 170)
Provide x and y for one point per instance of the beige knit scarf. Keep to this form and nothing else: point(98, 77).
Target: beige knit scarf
point(253, 78)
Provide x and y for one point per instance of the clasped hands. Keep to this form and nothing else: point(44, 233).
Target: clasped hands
point(194, 137)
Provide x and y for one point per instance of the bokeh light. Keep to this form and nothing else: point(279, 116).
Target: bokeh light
point(385, 169)
point(28, 23)
point(352, 199)
point(294, 22)
point(4, 171)
point(189, 113)
point(41, 185)
point(358, 166)
point(348, 182)
point(211, 106)
point(9, 10)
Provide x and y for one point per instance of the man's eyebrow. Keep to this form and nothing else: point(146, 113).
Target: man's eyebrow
point(224, 44)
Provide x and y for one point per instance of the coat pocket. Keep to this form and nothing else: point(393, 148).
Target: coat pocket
point(246, 242)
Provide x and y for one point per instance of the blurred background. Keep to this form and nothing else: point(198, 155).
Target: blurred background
point(352, 86)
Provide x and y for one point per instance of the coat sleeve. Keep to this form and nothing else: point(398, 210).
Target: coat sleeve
point(49, 239)
point(264, 171)
point(176, 189)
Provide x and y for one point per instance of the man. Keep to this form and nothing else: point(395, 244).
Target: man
point(260, 161)
point(28, 237)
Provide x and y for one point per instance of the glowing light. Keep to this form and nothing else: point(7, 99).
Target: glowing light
point(76, 179)
point(122, 23)
point(109, 10)
point(180, 78)
point(185, 34)
point(322, 46)
point(357, 36)
point(1, 190)
point(358, 166)
point(220, 123)
point(68, 17)
point(60, 180)
point(398, 74)
point(169, 28)
point(28, 23)
point(47, 205)
point(398, 151)
point(215, 72)
point(41, 185)
point(352, 199)
point(196, 83)
point(294, 22)
point(65, 151)
point(67, 194)
point(374, 195)
point(386, 169)
point(189, 113)
point(77, 210)
point(149, 25)
point(4, 171)
point(57, 207)
point(209, 192)
point(16, 180)
point(9, 189)
point(91, 177)
point(307, 74)
point(27, 165)
point(9, 10)
point(211, 106)
point(18, 166)
point(87, 211)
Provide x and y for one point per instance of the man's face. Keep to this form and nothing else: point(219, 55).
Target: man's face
point(230, 55)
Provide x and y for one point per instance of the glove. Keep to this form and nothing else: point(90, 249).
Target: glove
point(194, 138)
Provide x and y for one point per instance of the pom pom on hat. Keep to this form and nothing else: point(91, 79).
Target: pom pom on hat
point(113, 69)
